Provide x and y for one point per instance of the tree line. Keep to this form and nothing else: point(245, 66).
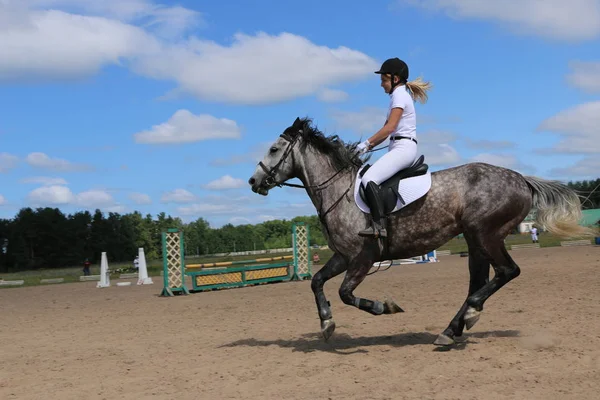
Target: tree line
point(589, 191)
point(48, 238)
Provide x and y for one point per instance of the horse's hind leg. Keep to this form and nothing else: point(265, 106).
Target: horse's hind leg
point(355, 275)
point(333, 267)
point(505, 270)
point(479, 270)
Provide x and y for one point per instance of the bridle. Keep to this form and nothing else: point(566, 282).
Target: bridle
point(271, 173)
point(271, 179)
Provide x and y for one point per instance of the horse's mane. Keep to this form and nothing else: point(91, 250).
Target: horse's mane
point(342, 154)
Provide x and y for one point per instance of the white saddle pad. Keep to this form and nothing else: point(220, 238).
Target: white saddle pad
point(410, 189)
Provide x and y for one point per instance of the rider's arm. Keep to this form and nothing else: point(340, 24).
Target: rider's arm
point(387, 129)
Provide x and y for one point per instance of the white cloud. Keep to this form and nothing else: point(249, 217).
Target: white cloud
point(165, 20)
point(276, 68)
point(51, 195)
point(44, 180)
point(42, 160)
point(585, 76)
point(332, 95)
point(140, 198)
point(49, 45)
point(185, 127)
point(60, 195)
point(8, 162)
point(556, 19)
point(178, 196)
point(55, 44)
point(225, 182)
point(94, 198)
point(579, 128)
point(586, 168)
point(3, 200)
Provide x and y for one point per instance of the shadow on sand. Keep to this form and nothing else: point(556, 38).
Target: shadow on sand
point(342, 343)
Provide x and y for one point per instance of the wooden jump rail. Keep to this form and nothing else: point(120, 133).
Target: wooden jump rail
point(525, 246)
point(19, 282)
point(238, 262)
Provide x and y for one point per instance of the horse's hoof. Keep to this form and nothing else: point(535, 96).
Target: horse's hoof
point(471, 317)
point(391, 307)
point(443, 340)
point(327, 328)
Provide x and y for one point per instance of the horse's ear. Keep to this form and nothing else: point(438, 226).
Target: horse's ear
point(297, 123)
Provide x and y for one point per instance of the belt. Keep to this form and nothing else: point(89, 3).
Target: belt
point(403, 137)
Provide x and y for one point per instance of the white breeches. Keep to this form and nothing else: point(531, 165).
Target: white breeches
point(401, 154)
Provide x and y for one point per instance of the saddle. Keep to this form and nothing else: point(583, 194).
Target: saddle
point(389, 188)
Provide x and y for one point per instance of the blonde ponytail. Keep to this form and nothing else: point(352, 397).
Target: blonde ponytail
point(418, 89)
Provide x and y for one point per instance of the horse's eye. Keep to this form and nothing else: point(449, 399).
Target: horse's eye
point(273, 150)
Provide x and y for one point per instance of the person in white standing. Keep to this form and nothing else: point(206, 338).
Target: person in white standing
point(534, 234)
point(401, 128)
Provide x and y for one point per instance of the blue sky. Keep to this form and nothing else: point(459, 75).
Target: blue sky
point(167, 106)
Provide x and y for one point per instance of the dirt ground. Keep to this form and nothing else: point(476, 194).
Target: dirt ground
point(538, 338)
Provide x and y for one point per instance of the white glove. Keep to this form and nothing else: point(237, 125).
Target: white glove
point(363, 147)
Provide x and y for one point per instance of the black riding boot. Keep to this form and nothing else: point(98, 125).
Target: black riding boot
point(377, 228)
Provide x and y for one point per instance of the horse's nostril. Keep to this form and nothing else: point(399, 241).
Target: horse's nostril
point(251, 181)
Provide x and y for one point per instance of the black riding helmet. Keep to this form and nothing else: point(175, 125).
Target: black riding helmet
point(394, 67)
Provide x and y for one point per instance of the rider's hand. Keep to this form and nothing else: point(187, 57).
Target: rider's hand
point(363, 147)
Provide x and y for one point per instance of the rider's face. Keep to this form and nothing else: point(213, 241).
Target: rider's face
point(386, 83)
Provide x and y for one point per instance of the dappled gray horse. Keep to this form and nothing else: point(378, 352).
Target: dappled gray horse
point(482, 201)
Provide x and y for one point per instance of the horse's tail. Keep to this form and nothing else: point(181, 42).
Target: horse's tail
point(558, 208)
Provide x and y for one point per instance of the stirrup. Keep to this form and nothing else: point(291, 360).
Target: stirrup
point(368, 231)
point(372, 231)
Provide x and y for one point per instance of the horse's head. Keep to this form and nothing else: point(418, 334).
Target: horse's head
point(278, 164)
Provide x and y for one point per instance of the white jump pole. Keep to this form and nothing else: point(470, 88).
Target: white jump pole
point(143, 278)
point(104, 274)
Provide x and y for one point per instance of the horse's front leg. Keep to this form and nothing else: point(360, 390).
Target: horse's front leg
point(357, 271)
point(335, 266)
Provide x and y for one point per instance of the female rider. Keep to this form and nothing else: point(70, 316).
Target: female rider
point(400, 127)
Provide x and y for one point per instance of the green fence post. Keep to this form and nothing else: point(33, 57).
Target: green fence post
point(173, 263)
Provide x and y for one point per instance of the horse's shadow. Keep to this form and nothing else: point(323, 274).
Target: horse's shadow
point(342, 343)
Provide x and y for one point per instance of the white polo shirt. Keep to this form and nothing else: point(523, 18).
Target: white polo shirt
point(408, 122)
